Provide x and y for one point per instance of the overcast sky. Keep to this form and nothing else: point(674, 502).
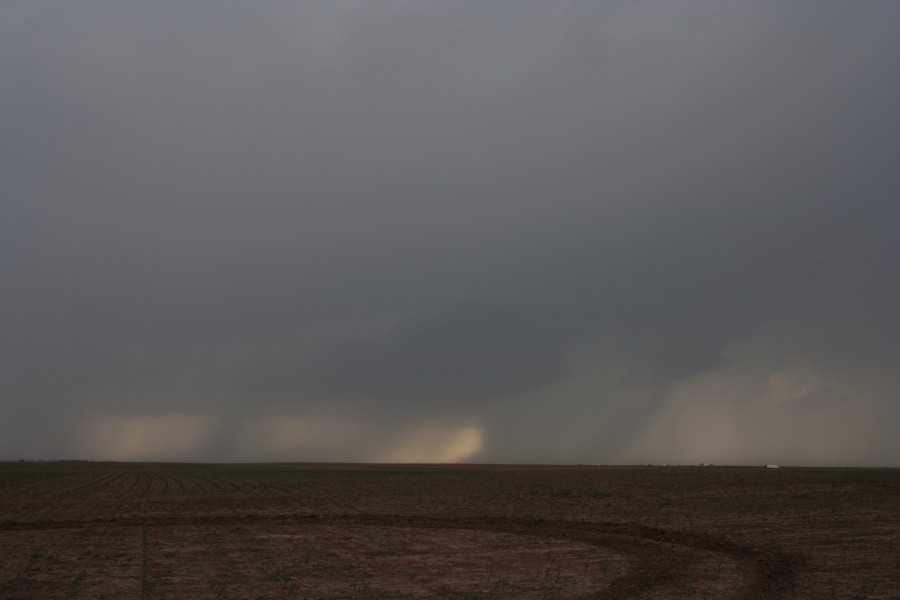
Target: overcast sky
point(492, 231)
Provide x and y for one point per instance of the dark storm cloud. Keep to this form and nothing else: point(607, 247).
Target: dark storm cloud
point(566, 227)
point(456, 357)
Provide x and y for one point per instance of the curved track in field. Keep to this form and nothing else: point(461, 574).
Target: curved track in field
point(656, 559)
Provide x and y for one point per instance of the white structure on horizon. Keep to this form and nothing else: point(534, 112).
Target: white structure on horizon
point(772, 467)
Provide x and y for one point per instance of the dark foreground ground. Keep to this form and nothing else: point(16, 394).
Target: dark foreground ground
point(159, 531)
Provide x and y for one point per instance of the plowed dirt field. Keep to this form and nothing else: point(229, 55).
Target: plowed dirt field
point(167, 531)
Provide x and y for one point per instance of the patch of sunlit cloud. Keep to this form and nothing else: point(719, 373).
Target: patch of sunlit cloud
point(296, 439)
point(435, 444)
point(797, 383)
point(744, 415)
point(135, 438)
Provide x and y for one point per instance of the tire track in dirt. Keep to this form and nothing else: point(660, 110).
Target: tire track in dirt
point(658, 558)
point(654, 553)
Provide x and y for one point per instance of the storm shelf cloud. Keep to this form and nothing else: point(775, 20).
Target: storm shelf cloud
point(413, 231)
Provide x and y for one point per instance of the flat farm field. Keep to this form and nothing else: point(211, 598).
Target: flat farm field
point(167, 531)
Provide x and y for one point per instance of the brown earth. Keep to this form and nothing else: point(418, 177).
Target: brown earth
point(159, 531)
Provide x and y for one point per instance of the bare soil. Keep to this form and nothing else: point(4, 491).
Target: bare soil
point(160, 531)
